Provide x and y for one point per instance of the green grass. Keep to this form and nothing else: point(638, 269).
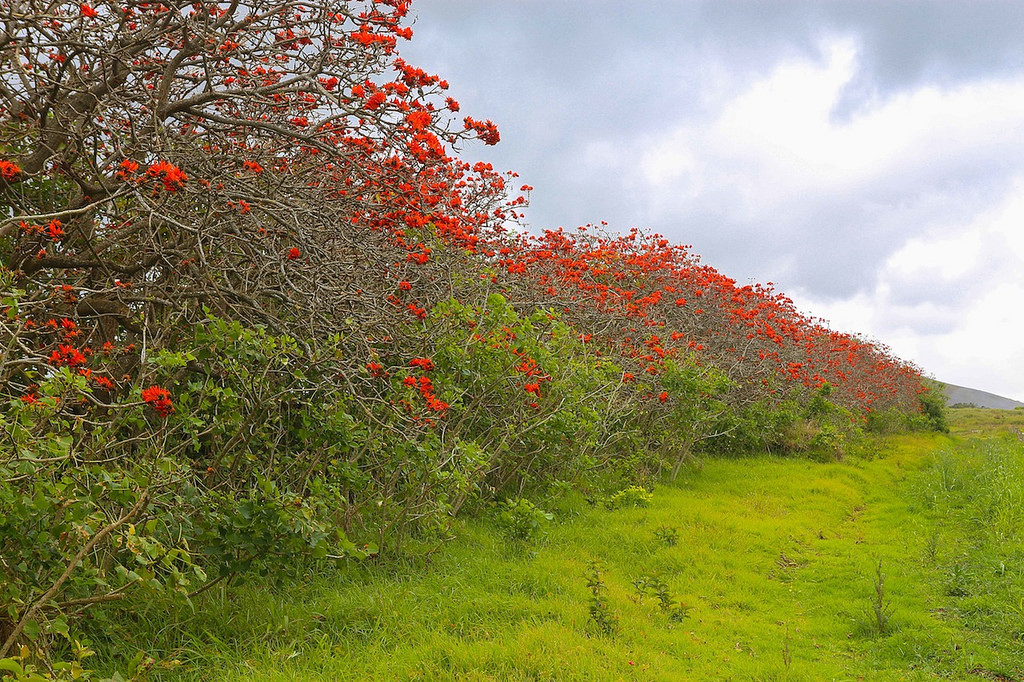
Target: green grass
point(777, 560)
point(978, 421)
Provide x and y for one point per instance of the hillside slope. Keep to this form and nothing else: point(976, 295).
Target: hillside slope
point(961, 395)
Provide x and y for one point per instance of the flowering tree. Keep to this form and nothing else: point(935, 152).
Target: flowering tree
point(164, 165)
point(165, 157)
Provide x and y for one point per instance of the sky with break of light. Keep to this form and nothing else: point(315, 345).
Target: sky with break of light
point(866, 157)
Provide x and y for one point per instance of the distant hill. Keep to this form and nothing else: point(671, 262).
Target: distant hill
point(956, 395)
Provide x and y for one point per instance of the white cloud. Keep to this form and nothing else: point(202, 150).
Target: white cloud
point(781, 139)
point(951, 303)
point(937, 257)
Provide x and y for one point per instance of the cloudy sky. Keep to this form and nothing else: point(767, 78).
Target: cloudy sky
point(866, 157)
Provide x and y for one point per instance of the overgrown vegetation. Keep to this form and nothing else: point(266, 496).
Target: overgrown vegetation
point(973, 496)
point(256, 315)
point(775, 572)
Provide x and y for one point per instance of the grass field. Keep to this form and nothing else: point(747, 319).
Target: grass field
point(976, 421)
point(908, 566)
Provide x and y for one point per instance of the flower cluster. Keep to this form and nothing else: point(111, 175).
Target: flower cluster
point(67, 355)
point(172, 177)
point(485, 130)
point(159, 399)
point(9, 170)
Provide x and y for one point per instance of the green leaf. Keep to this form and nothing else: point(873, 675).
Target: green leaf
point(11, 665)
point(31, 630)
point(60, 626)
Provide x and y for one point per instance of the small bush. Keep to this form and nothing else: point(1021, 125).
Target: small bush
point(601, 614)
point(657, 587)
point(668, 535)
point(521, 520)
point(632, 497)
point(933, 407)
point(881, 608)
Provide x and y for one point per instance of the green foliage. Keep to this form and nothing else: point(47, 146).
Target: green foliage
point(669, 535)
point(656, 587)
point(24, 667)
point(811, 424)
point(75, 531)
point(280, 452)
point(266, 529)
point(697, 395)
point(820, 429)
point(521, 520)
point(933, 407)
point(628, 498)
point(887, 422)
point(881, 608)
point(578, 425)
point(601, 614)
point(933, 414)
point(91, 512)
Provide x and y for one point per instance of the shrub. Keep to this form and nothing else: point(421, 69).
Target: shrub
point(520, 520)
point(629, 498)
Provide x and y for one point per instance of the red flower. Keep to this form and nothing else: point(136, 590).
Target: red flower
point(404, 286)
point(663, 396)
point(532, 388)
point(159, 399)
point(485, 130)
point(409, 381)
point(127, 170)
point(423, 363)
point(418, 120)
point(436, 405)
point(55, 231)
point(375, 369)
point(66, 355)
point(172, 177)
point(9, 170)
point(87, 11)
point(294, 253)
